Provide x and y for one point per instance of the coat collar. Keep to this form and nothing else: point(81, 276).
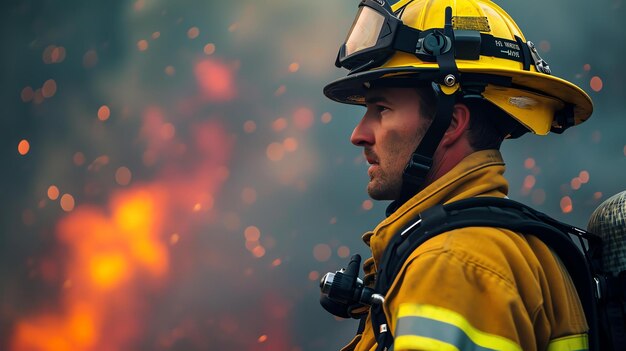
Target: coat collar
point(479, 174)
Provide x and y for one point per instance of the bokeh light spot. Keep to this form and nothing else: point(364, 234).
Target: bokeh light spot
point(78, 158)
point(290, 144)
point(53, 192)
point(583, 176)
point(155, 35)
point(262, 338)
point(104, 113)
point(209, 49)
point(303, 118)
point(275, 152)
point(67, 202)
point(575, 183)
point(596, 83)
point(529, 181)
point(252, 233)
point(90, 59)
point(167, 131)
point(193, 32)
point(322, 252)
point(314, 275)
point(529, 163)
point(49, 88)
point(142, 45)
point(248, 196)
point(279, 124)
point(174, 238)
point(249, 126)
point(587, 67)
point(343, 251)
point(597, 195)
point(258, 251)
point(277, 262)
point(23, 147)
point(280, 91)
point(566, 204)
point(544, 46)
point(170, 70)
point(123, 176)
point(215, 80)
point(27, 94)
point(294, 67)
point(326, 117)
point(367, 205)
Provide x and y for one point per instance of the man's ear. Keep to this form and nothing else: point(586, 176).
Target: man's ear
point(458, 125)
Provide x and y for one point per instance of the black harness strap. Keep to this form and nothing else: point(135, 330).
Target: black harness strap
point(487, 212)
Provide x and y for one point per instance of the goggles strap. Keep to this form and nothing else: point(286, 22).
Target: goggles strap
point(418, 167)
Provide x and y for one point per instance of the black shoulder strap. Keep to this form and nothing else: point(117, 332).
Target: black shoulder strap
point(486, 212)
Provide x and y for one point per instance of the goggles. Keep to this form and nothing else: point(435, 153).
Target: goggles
point(377, 33)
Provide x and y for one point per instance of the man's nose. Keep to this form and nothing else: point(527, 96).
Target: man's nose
point(362, 134)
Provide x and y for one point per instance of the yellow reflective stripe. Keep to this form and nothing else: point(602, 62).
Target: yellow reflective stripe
point(414, 342)
point(579, 342)
point(480, 338)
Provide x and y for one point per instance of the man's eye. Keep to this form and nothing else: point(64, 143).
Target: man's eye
point(381, 108)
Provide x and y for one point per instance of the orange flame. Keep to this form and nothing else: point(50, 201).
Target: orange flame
point(115, 257)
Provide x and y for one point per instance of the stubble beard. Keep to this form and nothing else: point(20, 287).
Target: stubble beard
point(384, 186)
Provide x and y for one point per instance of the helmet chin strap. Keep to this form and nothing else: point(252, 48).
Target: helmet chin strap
point(421, 161)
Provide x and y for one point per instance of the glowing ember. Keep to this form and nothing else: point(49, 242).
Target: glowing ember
point(326, 117)
point(252, 233)
point(90, 59)
point(294, 67)
point(123, 176)
point(250, 127)
point(193, 32)
point(209, 49)
point(275, 152)
point(27, 94)
point(584, 176)
point(215, 80)
point(529, 163)
point(322, 252)
point(280, 91)
point(104, 113)
point(314, 275)
point(367, 205)
point(303, 118)
point(262, 338)
point(49, 88)
point(575, 183)
point(155, 35)
point(277, 262)
point(53, 192)
point(248, 196)
point(78, 158)
point(142, 45)
point(596, 83)
point(290, 144)
point(279, 124)
point(343, 251)
point(566, 204)
point(67, 202)
point(529, 181)
point(23, 147)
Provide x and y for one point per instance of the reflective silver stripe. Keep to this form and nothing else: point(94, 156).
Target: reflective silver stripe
point(444, 332)
point(428, 327)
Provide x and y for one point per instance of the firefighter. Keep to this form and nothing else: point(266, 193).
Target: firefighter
point(443, 83)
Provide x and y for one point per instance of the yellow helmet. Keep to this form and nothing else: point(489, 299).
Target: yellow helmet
point(455, 44)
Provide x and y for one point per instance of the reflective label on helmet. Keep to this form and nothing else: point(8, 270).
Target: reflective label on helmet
point(480, 24)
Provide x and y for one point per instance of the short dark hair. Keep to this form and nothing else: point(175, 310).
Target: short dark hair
point(489, 125)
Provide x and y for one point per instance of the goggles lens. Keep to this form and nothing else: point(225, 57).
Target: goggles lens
point(365, 30)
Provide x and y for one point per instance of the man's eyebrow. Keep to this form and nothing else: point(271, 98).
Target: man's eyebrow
point(376, 99)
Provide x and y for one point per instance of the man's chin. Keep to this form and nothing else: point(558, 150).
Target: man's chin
point(377, 193)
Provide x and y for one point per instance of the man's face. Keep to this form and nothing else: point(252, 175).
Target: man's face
point(389, 132)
